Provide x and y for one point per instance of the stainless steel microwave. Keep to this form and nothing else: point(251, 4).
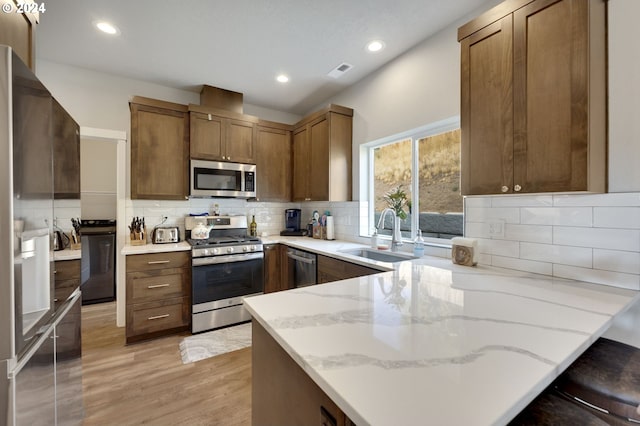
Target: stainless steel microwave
point(220, 179)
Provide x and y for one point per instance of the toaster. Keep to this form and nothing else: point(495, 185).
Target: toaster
point(165, 235)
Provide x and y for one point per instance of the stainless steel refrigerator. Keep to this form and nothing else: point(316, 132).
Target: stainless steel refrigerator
point(33, 372)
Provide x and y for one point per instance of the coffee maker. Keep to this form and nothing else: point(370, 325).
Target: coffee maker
point(292, 219)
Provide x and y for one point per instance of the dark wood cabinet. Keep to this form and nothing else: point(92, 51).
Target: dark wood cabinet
point(66, 154)
point(533, 98)
point(158, 295)
point(322, 156)
point(159, 150)
point(282, 393)
point(222, 136)
point(273, 164)
point(67, 280)
point(276, 271)
point(18, 31)
point(330, 269)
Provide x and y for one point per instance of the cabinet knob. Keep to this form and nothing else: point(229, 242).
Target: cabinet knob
point(224, 158)
point(504, 188)
point(517, 188)
point(228, 158)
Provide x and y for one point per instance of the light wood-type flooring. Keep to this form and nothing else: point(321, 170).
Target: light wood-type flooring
point(147, 384)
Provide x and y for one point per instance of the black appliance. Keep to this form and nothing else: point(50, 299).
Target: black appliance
point(98, 270)
point(292, 219)
point(225, 268)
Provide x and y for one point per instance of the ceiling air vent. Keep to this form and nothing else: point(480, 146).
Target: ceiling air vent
point(340, 70)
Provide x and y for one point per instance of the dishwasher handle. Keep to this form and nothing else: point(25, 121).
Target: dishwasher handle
point(308, 260)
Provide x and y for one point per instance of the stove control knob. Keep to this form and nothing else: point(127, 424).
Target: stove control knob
point(245, 248)
point(253, 248)
point(229, 249)
point(215, 251)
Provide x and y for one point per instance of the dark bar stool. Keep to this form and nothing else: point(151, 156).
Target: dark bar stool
point(607, 375)
point(553, 409)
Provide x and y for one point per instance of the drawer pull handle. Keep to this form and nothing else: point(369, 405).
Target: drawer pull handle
point(158, 285)
point(158, 262)
point(158, 317)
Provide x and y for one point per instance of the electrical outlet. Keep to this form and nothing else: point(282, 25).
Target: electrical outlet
point(496, 228)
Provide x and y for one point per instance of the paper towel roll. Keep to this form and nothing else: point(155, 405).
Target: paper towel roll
point(330, 229)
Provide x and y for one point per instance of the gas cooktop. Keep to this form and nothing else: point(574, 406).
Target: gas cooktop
point(225, 240)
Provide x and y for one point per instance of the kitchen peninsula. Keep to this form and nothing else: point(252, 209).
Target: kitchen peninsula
point(427, 343)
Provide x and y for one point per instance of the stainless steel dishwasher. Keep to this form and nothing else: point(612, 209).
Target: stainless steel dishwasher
point(302, 267)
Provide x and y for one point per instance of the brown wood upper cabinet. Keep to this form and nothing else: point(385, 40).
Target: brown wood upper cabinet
point(273, 164)
point(66, 154)
point(533, 105)
point(221, 138)
point(322, 156)
point(159, 150)
point(18, 31)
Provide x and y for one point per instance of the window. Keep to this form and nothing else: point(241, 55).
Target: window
point(422, 165)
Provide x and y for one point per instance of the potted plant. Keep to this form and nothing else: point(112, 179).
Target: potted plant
point(397, 201)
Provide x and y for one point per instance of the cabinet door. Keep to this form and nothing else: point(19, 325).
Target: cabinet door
point(271, 268)
point(319, 164)
point(206, 136)
point(551, 94)
point(159, 153)
point(273, 155)
point(286, 283)
point(487, 110)
point(301, 159)
point(239, 142)
point(66, 154)
point(18, 31)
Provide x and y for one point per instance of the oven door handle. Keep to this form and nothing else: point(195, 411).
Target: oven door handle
point(307, 260)
point(201, 261)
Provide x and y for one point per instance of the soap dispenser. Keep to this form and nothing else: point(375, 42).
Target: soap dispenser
point(374, 239)
point(418, 245)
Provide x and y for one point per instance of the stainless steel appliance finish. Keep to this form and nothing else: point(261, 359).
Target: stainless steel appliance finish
point(302, 267)
point(166, 235)
point(220, 179)
point(226, 268)
point(27, 319)
point(98, 270)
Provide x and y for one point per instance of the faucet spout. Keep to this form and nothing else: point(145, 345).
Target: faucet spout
point(396, 236)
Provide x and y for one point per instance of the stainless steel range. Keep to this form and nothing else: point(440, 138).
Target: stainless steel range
point(225, 268)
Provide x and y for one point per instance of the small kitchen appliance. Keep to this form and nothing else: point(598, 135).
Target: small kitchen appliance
point(226, 267)
point(166, 235)
point(292, 223)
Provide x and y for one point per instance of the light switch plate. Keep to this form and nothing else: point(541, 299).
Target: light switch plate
point(496, 228)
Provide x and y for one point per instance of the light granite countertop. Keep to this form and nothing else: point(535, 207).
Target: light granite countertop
point(67, 254)
point(435, 343)
point(128, 249)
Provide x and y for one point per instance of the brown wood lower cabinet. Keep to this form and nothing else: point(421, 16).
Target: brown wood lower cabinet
point(276, 271)
point(330, 269)
point(282, 393)
point(158, 294)
point(67, 276)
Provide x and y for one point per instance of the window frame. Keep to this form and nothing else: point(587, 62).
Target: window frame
point(366, 181)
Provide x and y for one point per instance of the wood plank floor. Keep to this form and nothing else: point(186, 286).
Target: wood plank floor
point(146, 383)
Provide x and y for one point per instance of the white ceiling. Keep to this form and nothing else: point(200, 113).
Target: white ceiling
point(241, 45)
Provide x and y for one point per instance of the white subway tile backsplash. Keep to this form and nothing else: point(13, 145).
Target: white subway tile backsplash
point(529, 233)
point(575, 256)
point(563, 216)
point(617, 261)
point(522, 265)
point(598, 200)
point(615, 279)
point(483, 214)
point(522, 201)
point(606, 238)
point(616, 217)
point(589, 237)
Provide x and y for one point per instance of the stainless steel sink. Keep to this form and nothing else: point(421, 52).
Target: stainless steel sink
point(380, 256)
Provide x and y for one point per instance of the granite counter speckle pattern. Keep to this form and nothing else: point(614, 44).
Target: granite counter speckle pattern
point(435, 343)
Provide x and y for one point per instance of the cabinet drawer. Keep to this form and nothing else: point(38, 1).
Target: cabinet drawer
point(146, 262)
point(157, 285)
point(152, 317)
point(67, 269)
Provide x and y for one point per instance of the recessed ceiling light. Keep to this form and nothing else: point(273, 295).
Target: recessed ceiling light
point(106, 27)
point(282, 78)
point(375, 46)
